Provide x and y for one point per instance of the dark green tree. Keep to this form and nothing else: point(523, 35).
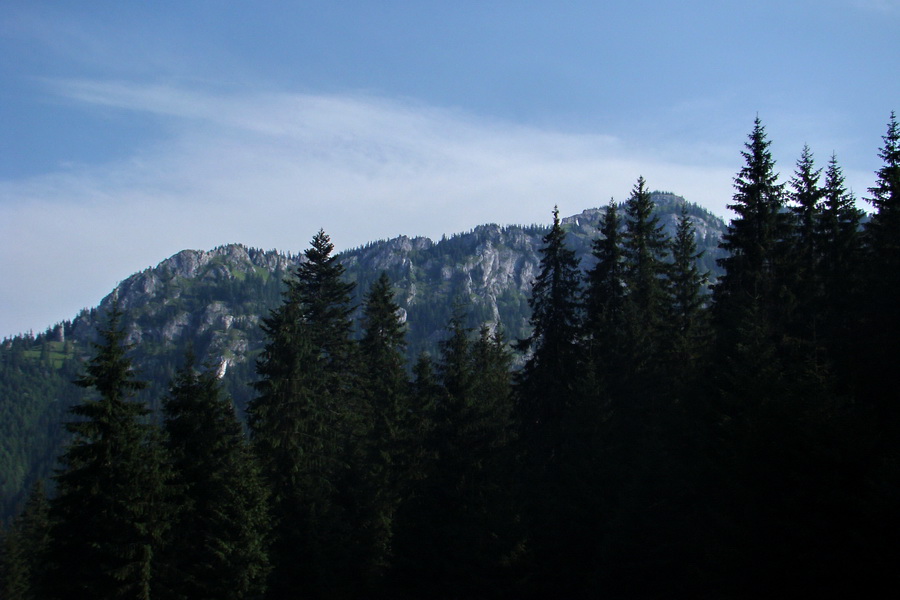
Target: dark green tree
point(687, 323)
point(549, 392)
point(804, 285)
point(881, 320)
point(415, 555)
point(774, 416)
point(325, 310)
point(432, 552)
point(750, 299)
point(217, 548)
point(306, 430)
point(547, 383)
point(605, 306)
point(427, 394)
point(23, 560)
point(645, 248)
point(839, 266)
point(492, 363)
point(493, 434)
point(873, 358)
point(459, 554)
point(386, 402)
point(885, 198)
point(109, 512)
point(806, 196)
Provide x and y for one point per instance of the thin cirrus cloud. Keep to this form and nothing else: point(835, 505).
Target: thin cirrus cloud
point(890, 7)
point(270, 169)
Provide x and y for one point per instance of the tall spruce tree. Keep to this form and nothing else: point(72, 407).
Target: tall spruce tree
point(775, 409)
point(806, 196)
point(804, 287)
point(108, 513)
point(385, 400)
point(881, 322)
point(490, 434)
point(885, 198)
point(645, 248)
point(549, 393)
point(306, 431)
point(547, 384)
point(605, 306)
point(750, 298)
point(839, 266)
point(324, 300)
point(217, 548)
point(688, 327)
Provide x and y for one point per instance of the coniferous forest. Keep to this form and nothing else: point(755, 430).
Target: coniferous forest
point(655, 435)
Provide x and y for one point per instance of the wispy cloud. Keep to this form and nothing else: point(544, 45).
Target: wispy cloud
point(886, 7)
point(270, 169)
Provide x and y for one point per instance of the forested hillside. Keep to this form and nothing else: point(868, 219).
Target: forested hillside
point(509, 413)
point(214, 302)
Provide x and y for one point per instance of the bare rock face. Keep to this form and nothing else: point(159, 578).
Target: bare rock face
point(186, 263)
point(196, 295)
point(174, 327)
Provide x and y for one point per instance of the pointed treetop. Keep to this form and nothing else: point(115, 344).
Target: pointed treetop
point(886, 192)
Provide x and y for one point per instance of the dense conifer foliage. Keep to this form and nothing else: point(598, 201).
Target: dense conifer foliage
point(651, 437)
point(217, 544)
point(306, 429)
point(385, 401)
point(109, 515)
point(23, 558)
point(552, 350)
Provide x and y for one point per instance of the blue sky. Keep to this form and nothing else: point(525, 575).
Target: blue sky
point(130, 131)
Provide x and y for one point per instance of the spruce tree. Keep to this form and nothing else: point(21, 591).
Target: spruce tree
point(839, 241)
point(217, 548)
point(774, 410)
point(385, 400)
point(806, 196)
point(325, 310)
point(306, 429)
point(687, 329)
point(549, 393)
point(885, 198)
point(750, 298)
point(881, 320)
point(804, 286)
point(863, 308)
point(426, 396)
point(489, 439)
point(109, 510)
point(605, 306)
point(547, 384)
point(645, 248)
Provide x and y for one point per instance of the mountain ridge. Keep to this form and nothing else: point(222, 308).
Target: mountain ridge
point(213, 301)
